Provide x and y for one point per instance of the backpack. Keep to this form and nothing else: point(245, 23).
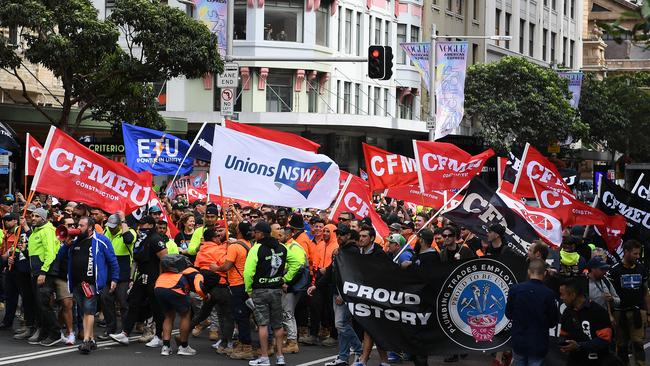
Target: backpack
point(175, 263)
point(302, 279)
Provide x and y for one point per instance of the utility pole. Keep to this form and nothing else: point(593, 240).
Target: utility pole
point(432, 80)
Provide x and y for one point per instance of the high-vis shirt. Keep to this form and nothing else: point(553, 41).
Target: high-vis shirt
point(296, 258)
point(196, 240)
point(182, 283)
point(44, 245)
point(265, 265)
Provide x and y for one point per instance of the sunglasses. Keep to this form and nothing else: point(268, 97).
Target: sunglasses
point(343, 219)
point(254, 217)
point(447, 235)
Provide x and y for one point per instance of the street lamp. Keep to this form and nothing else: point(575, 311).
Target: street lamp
point(432, 67)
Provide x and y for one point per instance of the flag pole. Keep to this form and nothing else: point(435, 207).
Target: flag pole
point(223, 210)
point(20, 227)
point(431, 220)
point(638, 182)
point(188, 152)
point(521, 168)
point(532, 185)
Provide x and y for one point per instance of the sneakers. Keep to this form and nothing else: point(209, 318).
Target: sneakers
point(35, 338)
point(120, 338)
point(244, 352)
point(84, 348)
point(394, 357)
point(291, 347)
point(384, 364)
point(224, 348)
point(262, 361)
point(93, 345)
point(358, 363)
point(186, 351)
point(279, 361)
point(329, 342)
point(196, 331)
point(70, 340)
point(50, 341)
point(213, 335)
point(337, 362)
point(25, 334)
point(104, 336)
point(309, 340)
point(147, 335)
point(155, 342)
point(166, 351)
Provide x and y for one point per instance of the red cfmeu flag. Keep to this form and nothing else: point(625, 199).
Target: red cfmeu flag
point(612, 232)
point(73, 172)
point(281, 137)
point(33, 152)
point(412, 194)
point(443, 166)
point(539, 178)
point(387, 170)
point(543, 221)
point(355, 197)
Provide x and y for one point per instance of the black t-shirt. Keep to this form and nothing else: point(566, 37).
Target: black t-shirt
point(145, 250)
point(630, 284)
point(83, 264)
point(474, 243)
point(182, 240)
point(585, 325)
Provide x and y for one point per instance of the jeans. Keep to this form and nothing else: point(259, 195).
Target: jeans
point(241, 313)
point(120, 295)
point(289, 302)
point(347, 337)
point(48, 323)
point(18, 283)
point(522, 360)
point(219, 297)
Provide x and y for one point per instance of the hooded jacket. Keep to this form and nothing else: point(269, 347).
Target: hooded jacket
point(265, 265)
point(323, 251)
point(43, 247)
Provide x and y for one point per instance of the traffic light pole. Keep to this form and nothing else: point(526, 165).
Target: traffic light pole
point(299, 59)
point(432, 81)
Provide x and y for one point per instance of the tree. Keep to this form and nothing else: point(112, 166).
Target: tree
point(639, 32)
point(98, 76)
point(516, 101)
point(617, 110)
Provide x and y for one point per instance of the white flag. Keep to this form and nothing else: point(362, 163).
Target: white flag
point(264, 171)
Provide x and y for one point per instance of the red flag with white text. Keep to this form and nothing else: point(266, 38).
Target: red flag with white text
point(387, 170)
point(281, 137)
point(543, 221)
point(71, 171)
point(433, 199)
point(33, 152)
point(172, 230)
point(444, 166)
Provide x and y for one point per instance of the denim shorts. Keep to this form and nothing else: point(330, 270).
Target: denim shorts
point(268, 307)
point(85, 305)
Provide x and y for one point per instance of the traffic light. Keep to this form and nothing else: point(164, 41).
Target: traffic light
point(376, 62)
point(380, 62)
point(388, 63)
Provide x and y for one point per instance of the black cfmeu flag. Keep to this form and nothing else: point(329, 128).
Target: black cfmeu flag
point(482, 207)
point(8, 138)
point(458, 307)
point(613, 199)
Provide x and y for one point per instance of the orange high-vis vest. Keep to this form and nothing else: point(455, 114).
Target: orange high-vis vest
point(182, 283)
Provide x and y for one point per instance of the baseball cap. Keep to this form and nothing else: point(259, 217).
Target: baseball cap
point(396, 238)
point(154, 209)
point(262, 227)
point(113, 221)
point(41, 212)
point(296, 221)
point(497, 228)
point(31, 207)
point(396, 226)
point(55, 202)
point(220, 224)
point(597, 262)
point(212, 210)
point(10, 216)
point(426, 235)
point(178, 206)
point(408, 224)
point(342, 229)
point(8, 199)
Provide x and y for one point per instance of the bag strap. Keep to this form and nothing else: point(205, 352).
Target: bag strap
point(247, 249)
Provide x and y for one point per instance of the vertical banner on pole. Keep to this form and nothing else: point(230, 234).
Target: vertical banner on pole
point(451, 63)
point(212, 13)
point(575, 85)
point(419, 55)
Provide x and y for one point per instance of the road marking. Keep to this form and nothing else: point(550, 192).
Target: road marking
point(646, 346)
point(318, 361)
point(9, 360)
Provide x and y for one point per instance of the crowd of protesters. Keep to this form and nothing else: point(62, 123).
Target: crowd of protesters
point(269, 269)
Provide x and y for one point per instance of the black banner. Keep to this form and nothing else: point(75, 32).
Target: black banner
point(482, 207)
point(459, 307)
point(613, 199)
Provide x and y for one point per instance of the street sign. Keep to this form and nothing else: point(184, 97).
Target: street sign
point(230, 76)
point(227, 101)
point(431, 124)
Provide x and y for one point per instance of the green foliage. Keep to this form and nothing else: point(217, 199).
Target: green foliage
point(617, 110)
point(97, 75)
point(639, 33)
point(516, 101)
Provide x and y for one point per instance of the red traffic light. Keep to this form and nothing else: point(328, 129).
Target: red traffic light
point(375, 53)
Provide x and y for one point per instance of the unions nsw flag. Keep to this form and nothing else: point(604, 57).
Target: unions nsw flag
point(155, 151)
point(33, 152)
point(355, 197)
point(71, 171)
point(443, 166)
point(386, 170)
point(264, 171)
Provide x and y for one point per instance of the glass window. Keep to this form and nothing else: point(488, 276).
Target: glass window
point(357, 98)
point(279, 91)
point(240, 19)
point(377, 31)
point(358, 35)
point(553, 4)
point(401, 38)
point(475, 10)
point(572, 8)
point(340, 17)
point(370, 23)
point(377, 100)
point(415, 34)
point(553, 37)
point(508, 19)
point(385, 102)
point(387, 33)
point(531, 38)
point(474, 53)
point(450, 5)
point(313, 96)
point(406, 108)
point(370, 109)
point(544, 43)
point(522, 27)
point(572, 46)
point(338, 91)
point(565, 50)
point(323, 26)
point(283, 20)
point(110, 4)
point(347, 97)
point(348, 31)
point(460, 7)
point(497, 24)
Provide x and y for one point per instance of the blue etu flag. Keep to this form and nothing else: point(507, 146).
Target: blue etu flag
point(155, 151)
